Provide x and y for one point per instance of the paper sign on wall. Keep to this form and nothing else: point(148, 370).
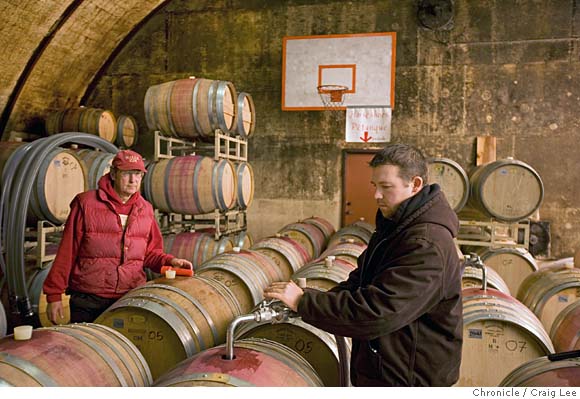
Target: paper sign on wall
point(364, 125)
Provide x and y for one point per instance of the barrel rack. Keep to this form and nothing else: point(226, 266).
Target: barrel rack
point(225, 146)
point(37, 239)
point(494, 234)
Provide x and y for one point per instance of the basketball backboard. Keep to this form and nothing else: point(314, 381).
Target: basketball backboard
point(365, 63)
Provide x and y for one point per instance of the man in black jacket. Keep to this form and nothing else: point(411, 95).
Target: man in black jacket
point(402, 305)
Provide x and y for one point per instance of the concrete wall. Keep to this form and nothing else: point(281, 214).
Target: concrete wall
point(507, 68)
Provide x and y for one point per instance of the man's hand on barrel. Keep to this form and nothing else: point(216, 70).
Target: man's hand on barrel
point(285, 291)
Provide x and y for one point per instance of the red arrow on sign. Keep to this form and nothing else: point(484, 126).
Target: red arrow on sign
point(366, 137)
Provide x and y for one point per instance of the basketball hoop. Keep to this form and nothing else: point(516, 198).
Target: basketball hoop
point(332, 96)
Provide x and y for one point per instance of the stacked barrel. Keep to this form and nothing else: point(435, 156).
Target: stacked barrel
point(290, 353)
point(122, 130)
point(526, 307)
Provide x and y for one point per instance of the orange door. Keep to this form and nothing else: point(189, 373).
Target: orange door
point(358, 193)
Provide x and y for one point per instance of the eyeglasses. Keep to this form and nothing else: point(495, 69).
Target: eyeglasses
point(134, 173)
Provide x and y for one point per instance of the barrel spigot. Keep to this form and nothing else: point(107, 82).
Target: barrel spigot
point(272, 311)
point(474, 260)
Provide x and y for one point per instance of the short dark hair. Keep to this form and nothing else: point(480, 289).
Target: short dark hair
point(409, 159)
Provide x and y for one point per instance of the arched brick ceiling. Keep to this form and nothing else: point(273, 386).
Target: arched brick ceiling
point(54, 49)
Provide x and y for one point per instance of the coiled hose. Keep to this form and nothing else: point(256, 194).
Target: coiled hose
point(18, 177)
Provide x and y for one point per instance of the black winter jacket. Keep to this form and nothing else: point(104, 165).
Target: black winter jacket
point(402, 305)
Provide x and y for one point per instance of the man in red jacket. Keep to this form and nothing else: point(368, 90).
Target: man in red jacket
point(402, 305)
point(110, 235)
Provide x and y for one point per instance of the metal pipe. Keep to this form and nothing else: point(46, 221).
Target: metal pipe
point(230, 333)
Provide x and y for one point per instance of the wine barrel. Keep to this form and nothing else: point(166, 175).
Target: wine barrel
point(79, 355)
point(286, 252)
point(452, 179)
point(347, 251)
point(35, 281)
point(191, 108)
point(350, 233)
point(549, 290)
point(59, 179)
point(245, 120)
point(246, 273)
point(326, 274)
point(95, 121)
point(258, 362)
point(243, 240)
point(506, 190)
point(364, 225)
point(197, 247)
point(512, 264)
point(245, 184)
point(499, 334)
point(325, 227)
point(564, 332)
point(473, 277)
point(546, 371)
point(190, 185)
point(309, 236)
point(96, 165)
point(319, 348)
point(170, 320)
point(127, 131)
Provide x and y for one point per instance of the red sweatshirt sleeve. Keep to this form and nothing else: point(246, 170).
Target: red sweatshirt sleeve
point(155, 257)
point(56, 281)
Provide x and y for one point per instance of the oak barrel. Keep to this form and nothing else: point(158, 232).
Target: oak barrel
point(347, 251)
point(549, 290)
point(190, 185)
point(95, 121)
point(245, 121)
point(499, 334)
point(473, 278)
point(197, 247)
point(512, 264)
point(308, 235)
point(59, 179)
point(127, 131)
point(565, 331)
point(350, 233)
point(191, 108)
point(319, 348)
point(287, 253)
point(506, 190)
point(325, 274)
point(257, 362)
point(452, 179)
point(243, 239)
point(245, 184)
point(170, 320)
point(79, 355)
point(325, 227)
point(547, 371)
point(96, 165)
point(246, 273)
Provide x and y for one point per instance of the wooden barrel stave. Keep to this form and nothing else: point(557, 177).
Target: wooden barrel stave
point(245, 185)
point(308, 235)
point(324, 276)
